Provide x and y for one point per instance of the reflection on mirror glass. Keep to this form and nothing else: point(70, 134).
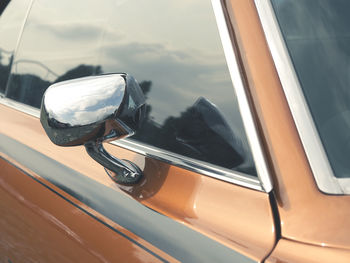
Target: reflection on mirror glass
point(318, 39)
point(90, 99)
point(176, 56)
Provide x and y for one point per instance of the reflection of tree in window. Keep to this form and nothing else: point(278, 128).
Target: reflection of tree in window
point(80, 71)
point(4, 70)
point(29, 88)
point(3, 5)
point(200, 132)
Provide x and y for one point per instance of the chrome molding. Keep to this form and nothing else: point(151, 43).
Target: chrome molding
point(264, 182)
point(242, 98)
point(191, 164)
point(325, 179)
point(20, 107)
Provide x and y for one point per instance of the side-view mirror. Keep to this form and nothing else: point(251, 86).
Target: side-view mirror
point(90, 110)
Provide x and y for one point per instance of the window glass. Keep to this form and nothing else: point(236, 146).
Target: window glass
point(12, 15)
point(172, 48)
point(318, 39)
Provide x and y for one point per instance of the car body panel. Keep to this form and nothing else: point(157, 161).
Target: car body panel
point(42, 226)
point(185, 196)
point(173, 214)
point(307, 215)
point(288, 251)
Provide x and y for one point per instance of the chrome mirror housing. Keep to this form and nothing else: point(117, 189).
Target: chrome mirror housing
point(90, 110)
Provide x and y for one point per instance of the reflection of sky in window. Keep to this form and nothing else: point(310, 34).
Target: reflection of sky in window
point(174, 44)
point(11, 21)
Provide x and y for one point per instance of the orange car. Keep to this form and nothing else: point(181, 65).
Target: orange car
point(193, 131)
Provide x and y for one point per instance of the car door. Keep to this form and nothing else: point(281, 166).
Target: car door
point(205, 195)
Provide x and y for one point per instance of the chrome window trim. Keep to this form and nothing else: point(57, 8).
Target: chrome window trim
point(320, 166)
point(243, 104)
point(20, 107)
point(188, 163)
point(262, 183)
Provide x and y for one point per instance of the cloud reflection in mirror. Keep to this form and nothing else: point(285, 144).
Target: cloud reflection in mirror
point(86, 101)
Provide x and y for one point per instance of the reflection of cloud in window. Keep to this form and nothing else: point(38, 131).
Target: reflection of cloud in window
point(176, 47)
point(178, 74)
point(76, 30)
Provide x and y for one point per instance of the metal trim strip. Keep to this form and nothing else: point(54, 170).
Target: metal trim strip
point(197, 166)
point(246, 113)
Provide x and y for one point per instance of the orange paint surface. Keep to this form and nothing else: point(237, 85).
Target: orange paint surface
point(237, 217)
point(307, 215)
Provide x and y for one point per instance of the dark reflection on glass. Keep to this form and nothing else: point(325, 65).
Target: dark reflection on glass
point(5, 69)
point(176, 55)
point(80, 71)
point(29, 88)
point(200, 132)
point(318, 38)
point(3, 5)
point(21, 89)
point(11, 18)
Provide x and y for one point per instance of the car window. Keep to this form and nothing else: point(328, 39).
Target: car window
point(172, 48)
point(12, 15)
point(317, 36)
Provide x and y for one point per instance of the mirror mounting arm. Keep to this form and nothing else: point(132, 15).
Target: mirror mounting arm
point(121, 171)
